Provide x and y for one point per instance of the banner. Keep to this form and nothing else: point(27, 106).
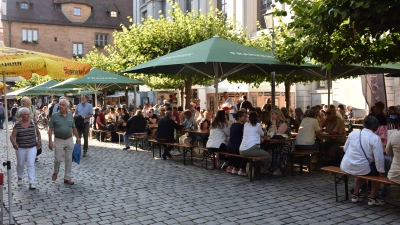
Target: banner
point(374, 90)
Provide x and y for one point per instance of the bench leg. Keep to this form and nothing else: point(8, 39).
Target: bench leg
point(205, 157)
point(301, 164)
point(292, 162)
point(152, 148)
point(346, 186)
point(191, 156)
point(159, 148)
point(251, 170)
point(184, 156)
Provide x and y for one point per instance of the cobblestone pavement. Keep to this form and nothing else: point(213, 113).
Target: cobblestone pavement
point(113, 186)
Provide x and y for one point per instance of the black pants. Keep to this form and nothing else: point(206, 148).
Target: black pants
point(236, 161)
point(167, 149)
point(222, 148)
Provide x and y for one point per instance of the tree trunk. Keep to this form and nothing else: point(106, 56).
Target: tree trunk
point(104, 98)
point(188, 91)
point(287, 94)
point(126, 97)
point(182, 96)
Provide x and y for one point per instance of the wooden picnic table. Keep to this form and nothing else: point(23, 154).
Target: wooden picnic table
point(198, 131)
point(327, 136)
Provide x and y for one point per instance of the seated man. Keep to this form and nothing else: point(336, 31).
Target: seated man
point(333, 125)
point(136, 124)
point(165, 132)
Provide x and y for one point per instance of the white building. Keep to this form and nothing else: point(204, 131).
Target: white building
point(247, 13)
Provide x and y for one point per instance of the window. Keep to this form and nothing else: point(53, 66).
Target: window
point(262, 7)
point(113, 14)
point(143, 2)
point(77, 49)
point(254, 100)
point(77, 11)
point(101, 40)
point(221, 5)
point(189, 5)
point(24, 5)
point(144, 15)
point(29, 35)
point(322, 84)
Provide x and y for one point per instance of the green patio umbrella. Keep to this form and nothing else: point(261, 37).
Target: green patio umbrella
point(340, 71)
point(45, 89)
point(75, 93)
point(97, 80)
point(216, 58)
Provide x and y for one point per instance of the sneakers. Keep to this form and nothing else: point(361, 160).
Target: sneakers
point(126, 148)
point(54, 177)
point(229, 169)
point(241, 173)
point(19, 182)
point(32, 187)
point(234, 171)
point(375, 201)
point(356, 198)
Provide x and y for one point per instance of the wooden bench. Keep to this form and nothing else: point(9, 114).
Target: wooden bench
point(136, 137)
point(301, 154)
point(252, 159)
point(104, 132)
point(186, 148)
point(345, 178)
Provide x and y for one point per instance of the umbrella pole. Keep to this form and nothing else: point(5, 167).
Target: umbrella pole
point(272, 90)
point(8, 163)
point(329, 87)
point(216, 86)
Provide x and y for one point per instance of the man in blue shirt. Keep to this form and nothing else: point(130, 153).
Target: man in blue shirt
point(85, 110)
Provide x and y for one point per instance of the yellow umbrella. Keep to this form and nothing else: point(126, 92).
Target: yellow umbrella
point(19, 62)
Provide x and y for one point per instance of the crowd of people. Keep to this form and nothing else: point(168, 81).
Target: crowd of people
point(235, 128)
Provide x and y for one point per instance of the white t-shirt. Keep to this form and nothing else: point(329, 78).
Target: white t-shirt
point(354, 161)
point(229, 103)
point(251, 136)
point(217, 137)
point(306, 135)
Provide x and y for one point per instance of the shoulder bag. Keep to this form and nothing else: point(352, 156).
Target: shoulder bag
point(374, 171)
point(38, 150)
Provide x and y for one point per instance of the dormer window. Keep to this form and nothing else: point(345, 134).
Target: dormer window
point(24, 5)
point(113, 14)
point(77, 11)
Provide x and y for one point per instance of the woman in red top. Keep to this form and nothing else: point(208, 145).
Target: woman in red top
point(101, 120)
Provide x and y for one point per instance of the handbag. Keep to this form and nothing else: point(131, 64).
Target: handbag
point(38, 150)
point(374, 171)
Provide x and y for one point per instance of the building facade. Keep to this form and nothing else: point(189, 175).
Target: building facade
point(67, 28)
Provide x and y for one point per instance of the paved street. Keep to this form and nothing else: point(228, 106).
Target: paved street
point(113, 186)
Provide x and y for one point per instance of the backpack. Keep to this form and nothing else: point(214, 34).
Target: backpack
point(79, 122)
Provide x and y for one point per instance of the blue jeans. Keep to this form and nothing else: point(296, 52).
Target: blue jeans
point(388, 162)
point(1, 120)
point(126, 139)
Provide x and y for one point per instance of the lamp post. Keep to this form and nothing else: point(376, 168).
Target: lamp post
point(269, 23)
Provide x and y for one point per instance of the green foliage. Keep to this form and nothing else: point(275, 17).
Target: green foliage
point(153, 38)
point(342, 32)
point(34, 81)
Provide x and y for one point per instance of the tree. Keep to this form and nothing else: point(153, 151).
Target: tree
point(154, 38)
point(34, 81)
point(343, 32)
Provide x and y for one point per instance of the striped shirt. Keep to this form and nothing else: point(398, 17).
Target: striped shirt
point(26, 138)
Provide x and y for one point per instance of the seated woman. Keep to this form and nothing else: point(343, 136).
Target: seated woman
point(309, 128)
point(236, 132)
point(252, 137)
point(219, 130)
point(280, 126)
point(189, 123)
point(393, 150)
point(361, 148)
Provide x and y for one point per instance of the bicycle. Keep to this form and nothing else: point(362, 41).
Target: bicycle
point(42, 121)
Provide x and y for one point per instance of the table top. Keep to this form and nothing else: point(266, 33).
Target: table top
point(198, 131)
point(277, 141)
point(331, 136)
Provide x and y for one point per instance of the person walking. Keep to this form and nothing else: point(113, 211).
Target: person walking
point(62, 123)
point(85, 111)
point(25, 139)
point(13, 111)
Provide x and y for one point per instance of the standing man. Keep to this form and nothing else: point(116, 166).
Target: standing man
point(62, 123)
point(85, 110)
point(245, 104)
point(228, 102)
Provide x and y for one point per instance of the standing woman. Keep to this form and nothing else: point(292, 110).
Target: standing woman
point(25, 139)
point(26, 102)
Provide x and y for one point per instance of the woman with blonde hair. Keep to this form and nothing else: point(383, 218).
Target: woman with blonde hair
point(280, 125)
point(27, 103)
